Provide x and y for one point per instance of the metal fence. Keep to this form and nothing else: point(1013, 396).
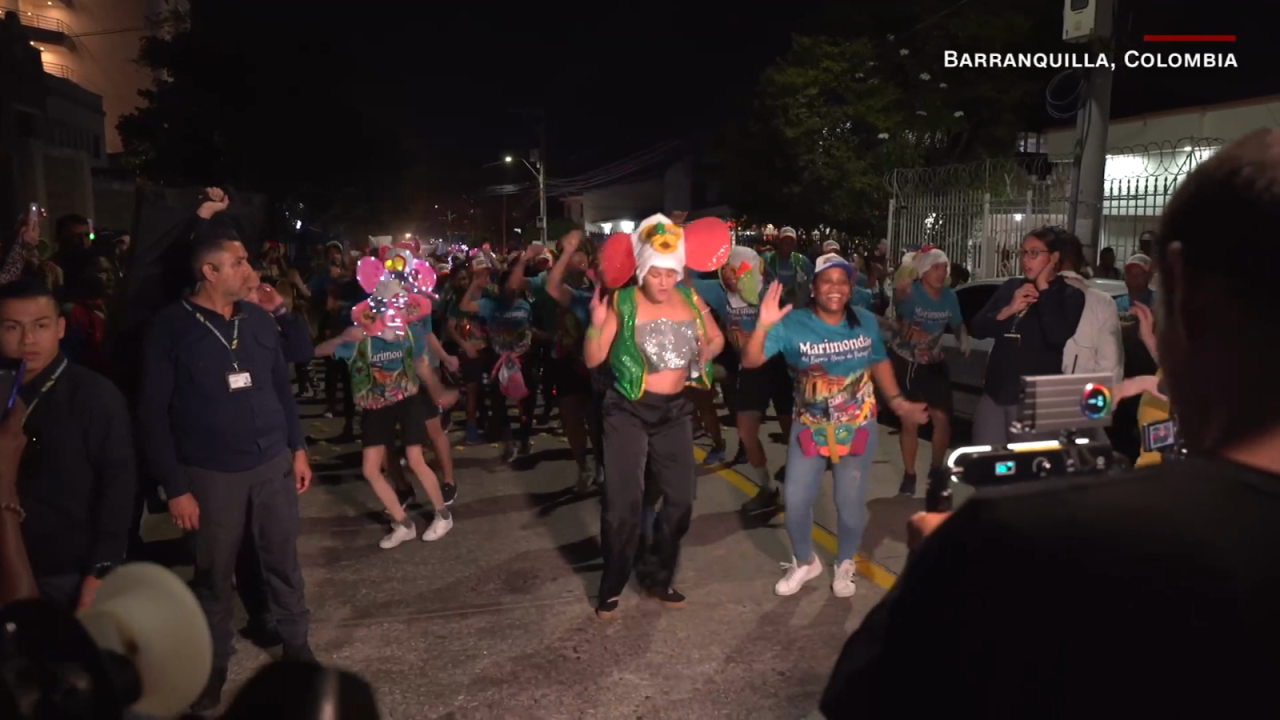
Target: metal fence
point(978, 213)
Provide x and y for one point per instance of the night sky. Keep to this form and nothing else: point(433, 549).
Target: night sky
point(458, 85)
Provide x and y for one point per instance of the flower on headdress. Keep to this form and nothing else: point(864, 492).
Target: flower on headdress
point(663, 237)
point(395, 263)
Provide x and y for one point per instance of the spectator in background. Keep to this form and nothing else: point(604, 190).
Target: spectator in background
point(1097, 346)
point(1146, 243)
point(788, 267)
point(222, 431)
point(1137, 277)
point(21, 253)
point(1107, 269)
point(77, 476)
point(959, 275)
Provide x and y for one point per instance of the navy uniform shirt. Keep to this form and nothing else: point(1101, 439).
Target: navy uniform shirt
point(188, 413)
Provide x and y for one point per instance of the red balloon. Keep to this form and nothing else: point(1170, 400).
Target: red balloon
point(617, 260)
point(706, 244)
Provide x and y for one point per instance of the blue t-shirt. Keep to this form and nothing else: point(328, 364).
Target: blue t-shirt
point(921, 322)
point(509, 323)
point(1148, 298)
point(834, 394)
point(424, 327)
point(737, 316)
point(571, 322)
point(863, 298)
point(380, 375)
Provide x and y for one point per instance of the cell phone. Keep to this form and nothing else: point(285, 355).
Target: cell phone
point(1158, 436)
point(11, 372)
point(33, 211)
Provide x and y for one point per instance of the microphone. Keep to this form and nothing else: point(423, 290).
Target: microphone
point(1021, 312)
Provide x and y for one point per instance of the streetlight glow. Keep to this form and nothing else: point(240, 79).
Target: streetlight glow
point(507, 159)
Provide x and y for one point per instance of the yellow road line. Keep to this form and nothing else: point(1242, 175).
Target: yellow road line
point(870, 569)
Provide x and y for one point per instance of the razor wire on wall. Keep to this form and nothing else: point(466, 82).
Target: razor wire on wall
point(978, 213)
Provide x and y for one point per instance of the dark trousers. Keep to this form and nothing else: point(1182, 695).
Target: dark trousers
point(61, 590)
point(335, 374)
point(251, 586)
point(500, 424)
point(266, 500)
point(654, 432)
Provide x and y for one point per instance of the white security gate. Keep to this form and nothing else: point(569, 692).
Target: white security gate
point(978, 213)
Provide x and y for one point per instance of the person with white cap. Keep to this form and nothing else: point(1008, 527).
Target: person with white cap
point(831, 247)
point(735, 297)
point(924, 309)
point(656, 339)
point(838, 356)
point(1137, 278)
point(788, 267)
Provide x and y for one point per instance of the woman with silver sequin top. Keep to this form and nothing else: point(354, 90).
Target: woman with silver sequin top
point(657, 341)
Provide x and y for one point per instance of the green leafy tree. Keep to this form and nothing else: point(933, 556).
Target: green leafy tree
point(838, 112)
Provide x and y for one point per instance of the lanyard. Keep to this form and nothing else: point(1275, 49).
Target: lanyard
point(235, 334)
point(44, 389)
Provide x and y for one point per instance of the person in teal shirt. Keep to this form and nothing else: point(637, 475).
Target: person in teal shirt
point(839, 361)
point(788, 267)
point(508, 319)
point(926, 308)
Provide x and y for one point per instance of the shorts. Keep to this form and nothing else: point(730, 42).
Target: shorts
point(570, 377)
point(378, 426)
point(769, 383)
point(430, 408)
point(474, 370)
point(929, 383)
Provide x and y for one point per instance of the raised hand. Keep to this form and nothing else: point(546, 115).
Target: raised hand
point(599, 309)
point(217, 202)
point(771, 311)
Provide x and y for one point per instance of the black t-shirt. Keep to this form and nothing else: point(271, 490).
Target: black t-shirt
point(1029, 345)
point(1153, 595)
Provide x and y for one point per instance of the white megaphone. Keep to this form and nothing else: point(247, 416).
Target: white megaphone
point(149, 616)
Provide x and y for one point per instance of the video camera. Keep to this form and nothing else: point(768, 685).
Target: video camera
point(1076, 407)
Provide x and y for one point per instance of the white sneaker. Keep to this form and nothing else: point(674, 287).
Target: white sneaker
point(797, 575)
point(844, 586)
point(399, 533)
point(438, 529)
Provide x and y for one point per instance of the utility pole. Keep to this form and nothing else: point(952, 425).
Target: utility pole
point(504, 222)
point(1090, 22)
point(542, 176)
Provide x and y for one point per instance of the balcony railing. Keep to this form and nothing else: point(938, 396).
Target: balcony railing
point(42, 22)
point(61, 71)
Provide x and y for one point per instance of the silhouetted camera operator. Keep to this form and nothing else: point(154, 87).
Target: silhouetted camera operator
point(1151, 594)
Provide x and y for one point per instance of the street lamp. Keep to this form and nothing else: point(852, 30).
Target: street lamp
point(539, 172)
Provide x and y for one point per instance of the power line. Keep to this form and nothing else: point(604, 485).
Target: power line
point(117, 31)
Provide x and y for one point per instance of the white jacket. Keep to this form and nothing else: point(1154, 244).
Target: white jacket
point(1097, 346)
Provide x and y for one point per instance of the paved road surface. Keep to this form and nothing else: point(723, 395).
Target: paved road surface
point(496, 621)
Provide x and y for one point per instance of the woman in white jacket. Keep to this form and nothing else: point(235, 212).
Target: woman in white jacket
point(1097, 346)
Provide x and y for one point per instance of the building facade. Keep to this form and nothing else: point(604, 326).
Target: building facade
point(94, 44)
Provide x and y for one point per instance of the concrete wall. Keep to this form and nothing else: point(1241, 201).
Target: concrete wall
point(102, 63)
point(629, 201)
point(74, 120)
point(1227, 121)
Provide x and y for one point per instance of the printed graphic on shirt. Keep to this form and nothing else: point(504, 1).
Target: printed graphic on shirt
point(922, 320)
point(508, 323)
point(835, 398)
point(382, 371)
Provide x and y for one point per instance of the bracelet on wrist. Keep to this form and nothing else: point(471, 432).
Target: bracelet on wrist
point(592, 333)
point(15, 508)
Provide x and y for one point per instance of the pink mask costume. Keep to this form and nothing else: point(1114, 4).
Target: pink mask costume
point(399, 285)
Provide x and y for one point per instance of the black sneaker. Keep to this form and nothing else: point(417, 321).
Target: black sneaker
point(606, 609)
point(669, 597)
point(908, 486)
point(262, 631)
point(299, 653)
point(764, 502)
point(449, 491)
point(211, 697)
point(740, 457)
point(938, 496)
point(781, 475)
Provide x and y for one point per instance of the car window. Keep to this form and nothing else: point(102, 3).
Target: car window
point(972, 299)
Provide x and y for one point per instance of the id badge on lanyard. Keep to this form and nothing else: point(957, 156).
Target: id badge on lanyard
point(237, 379)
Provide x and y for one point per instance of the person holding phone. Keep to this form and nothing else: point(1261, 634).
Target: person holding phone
point(76, 482)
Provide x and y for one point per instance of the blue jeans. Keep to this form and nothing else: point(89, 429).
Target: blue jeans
point(804, 479)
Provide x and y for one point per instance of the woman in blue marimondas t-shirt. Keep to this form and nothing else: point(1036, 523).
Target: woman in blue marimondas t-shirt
point(839, 359)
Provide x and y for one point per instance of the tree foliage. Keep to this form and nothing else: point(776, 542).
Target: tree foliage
point(838, 112)
point(287, 118)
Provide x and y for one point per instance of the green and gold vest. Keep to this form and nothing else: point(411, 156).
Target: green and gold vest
point(624, 356)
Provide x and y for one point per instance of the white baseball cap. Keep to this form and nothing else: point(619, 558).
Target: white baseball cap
point(1140, 260)
point(831, 246)
point(832, 261)
point(787, 232)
